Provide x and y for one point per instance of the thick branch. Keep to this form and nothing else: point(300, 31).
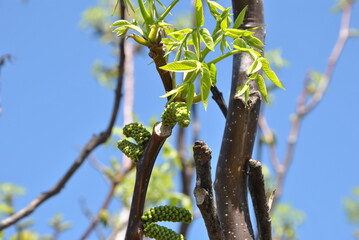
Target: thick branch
point(259, 200)
point(94, 142)
point(238, 139)
point(203, 191)
point(143, 174)
point(157, 54)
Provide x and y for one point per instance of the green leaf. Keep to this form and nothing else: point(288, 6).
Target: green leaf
point(241, 90)
point(189, 55)
point(181, 66)
point(179, 35)
point(205, 86)
point(216, 5)
point(240, 32)
point(262, 87)
point(196, 41)
point(254, 42)
point(213, 73)
point(120, 23)
point(173, 91)
point(240, 18)
point(255, 67)
point(270, 73)
point(4, 208)
point(240, 43)
point(199, 13)
point(207, 38)
point(190, 95)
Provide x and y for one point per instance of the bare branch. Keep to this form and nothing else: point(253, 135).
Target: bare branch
point(106, 202)
point(303, 108)
point(261, 209)
point(186, 171)
point(92, 144)
point(203, 191)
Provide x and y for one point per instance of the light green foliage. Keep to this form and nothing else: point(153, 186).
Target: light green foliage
point(176, 112)
point(285, 220)
point(352, 209)
point(104, 74)
point(189, 51)
point(8, 192)
point(161, 233)
point(168, 214)
point(58, 223)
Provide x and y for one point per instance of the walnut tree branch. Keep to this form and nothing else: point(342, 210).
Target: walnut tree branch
point(92, 144)
point(143, 174)
point(203, 191)
point(238, 138)
point(260, 204)
point(308, 101)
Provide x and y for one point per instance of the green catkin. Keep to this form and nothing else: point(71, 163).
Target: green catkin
point(168, 214)
point(176, 112)
point(130, 149)
point(138, 132)
point(157, 232)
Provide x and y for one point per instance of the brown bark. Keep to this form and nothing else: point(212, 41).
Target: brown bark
point(237, 144)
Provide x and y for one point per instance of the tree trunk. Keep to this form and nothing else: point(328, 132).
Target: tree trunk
point(231, 182)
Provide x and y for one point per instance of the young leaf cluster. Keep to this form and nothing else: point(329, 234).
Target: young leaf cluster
point(192, 45)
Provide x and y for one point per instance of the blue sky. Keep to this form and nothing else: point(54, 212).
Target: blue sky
point(52, 105)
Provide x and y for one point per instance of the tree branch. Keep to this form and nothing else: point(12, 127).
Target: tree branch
point(106, 202)
point(93, 143)
point(186, 171)
point(303, 108)
point(203, 191)
point(238, 138)
point(143, 174)
point(217, 96)
point(261, 209)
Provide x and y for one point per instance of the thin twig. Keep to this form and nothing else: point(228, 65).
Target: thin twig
point(303, 107)
point(93, 143)
point(217, 96)
point(90, 216)
point(186, 171)
point(107, 201)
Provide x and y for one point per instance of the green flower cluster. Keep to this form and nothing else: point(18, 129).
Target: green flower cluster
point(130, 149)
point(157, 232)
point(176, 112)
point(138, 132)
point(167, 213)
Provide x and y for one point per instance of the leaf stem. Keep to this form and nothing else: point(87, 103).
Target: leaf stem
point(168, 9)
